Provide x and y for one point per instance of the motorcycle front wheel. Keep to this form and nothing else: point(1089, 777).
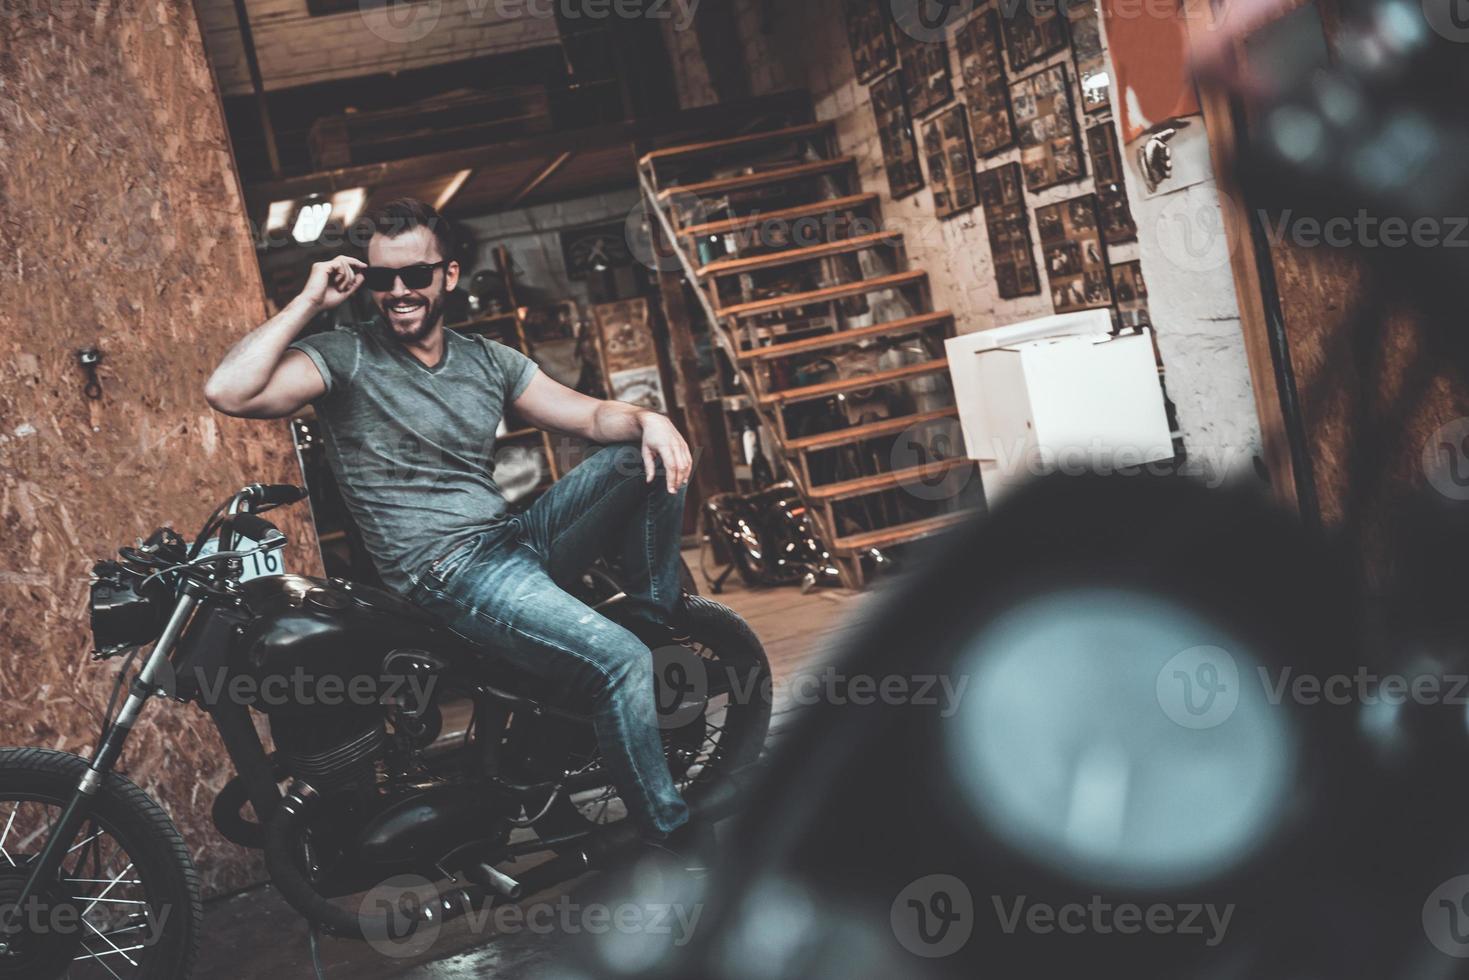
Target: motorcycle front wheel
point(126, 901)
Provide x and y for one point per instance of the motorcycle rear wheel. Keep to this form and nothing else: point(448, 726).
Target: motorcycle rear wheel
point(735, 721)
point(127, 903)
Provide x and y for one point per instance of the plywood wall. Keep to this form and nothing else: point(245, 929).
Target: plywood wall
point(122, 228)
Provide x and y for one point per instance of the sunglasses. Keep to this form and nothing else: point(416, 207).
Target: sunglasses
point(381, 279)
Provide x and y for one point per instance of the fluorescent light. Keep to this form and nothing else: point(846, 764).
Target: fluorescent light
point(347, 205)
point(279, 216)
point(311, 221)
point(451, 188)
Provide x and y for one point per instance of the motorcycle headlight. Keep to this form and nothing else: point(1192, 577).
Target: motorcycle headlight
point(122, 616)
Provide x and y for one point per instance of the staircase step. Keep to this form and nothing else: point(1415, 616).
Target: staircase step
point(764, 178)
point(873, 430)
point(826, 388)
point(757, 218)
point(691, 150)
point(900, 533)
point(794, 300)
point(790, 256)
point(909, 324)
point(864, 485)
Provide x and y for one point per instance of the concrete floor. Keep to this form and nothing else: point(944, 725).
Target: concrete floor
point(254, 934)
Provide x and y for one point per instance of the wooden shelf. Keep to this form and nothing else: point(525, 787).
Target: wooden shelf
point(742, 182)
point(838, 338)
point(827, 295)
point(827, 388)
point(900, 533)
point(872, 430)
point(728, 225)
point(864, 485)
point(790, 256)
point(691, 150)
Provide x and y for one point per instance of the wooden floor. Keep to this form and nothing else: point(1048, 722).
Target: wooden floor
point(255, 934)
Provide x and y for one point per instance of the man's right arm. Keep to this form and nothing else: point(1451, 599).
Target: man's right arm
point(260, 378)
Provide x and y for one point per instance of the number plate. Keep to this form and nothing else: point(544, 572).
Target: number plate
point(263, 563)
point(258, 565)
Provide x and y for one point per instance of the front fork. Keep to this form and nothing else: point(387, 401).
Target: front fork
point(77, 809)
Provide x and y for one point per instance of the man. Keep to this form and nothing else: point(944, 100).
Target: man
point(409, 412)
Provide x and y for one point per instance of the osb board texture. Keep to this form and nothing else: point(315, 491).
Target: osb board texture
point(1407, 392)
point(121, 227)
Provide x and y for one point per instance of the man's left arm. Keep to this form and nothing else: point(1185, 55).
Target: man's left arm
point(548, 404)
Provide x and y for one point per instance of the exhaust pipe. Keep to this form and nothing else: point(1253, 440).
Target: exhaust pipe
point(492, 879)
point(487, 883)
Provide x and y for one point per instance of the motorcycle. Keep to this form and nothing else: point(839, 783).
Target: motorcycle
point(403, 749)
point(768, 538)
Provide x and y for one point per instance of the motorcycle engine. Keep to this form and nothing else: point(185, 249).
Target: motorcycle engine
point(334, 753)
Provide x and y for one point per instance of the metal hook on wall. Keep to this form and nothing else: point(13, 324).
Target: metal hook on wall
point(89, 358)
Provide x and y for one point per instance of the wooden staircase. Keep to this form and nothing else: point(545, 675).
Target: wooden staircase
point(788, 258)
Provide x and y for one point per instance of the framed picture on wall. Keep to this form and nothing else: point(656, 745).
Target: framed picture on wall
point(1034, 30)
point(1117, 222)
point(986, 90)
point(629, 357)
point(1045, 123)
point(1002, 194)
point(1074, 255)
point(895, 132)
point(950, 162)
point(1086, 49)
point(870, 35)
point(926, 78)
point(1131, 295)
point(597, 248)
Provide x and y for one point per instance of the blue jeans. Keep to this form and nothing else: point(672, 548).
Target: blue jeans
point(503, 590)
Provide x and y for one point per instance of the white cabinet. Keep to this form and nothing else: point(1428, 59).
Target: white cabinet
point(1057, 393)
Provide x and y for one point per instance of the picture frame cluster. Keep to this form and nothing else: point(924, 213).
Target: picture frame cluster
point(996, 84)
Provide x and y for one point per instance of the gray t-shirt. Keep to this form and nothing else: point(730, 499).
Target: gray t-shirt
point(412, 447)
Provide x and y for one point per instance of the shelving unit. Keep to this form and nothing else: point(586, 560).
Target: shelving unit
point(509, 328)
point(786, 254)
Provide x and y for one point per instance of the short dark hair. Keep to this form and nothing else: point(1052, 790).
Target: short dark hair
point(405, 214)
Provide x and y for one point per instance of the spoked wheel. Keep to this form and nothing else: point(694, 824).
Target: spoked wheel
point(717, 723)
point(126, 902)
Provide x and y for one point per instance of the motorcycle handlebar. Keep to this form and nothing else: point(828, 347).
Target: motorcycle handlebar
point(276, 494)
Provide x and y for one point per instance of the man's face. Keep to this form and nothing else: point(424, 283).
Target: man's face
point(412, 314)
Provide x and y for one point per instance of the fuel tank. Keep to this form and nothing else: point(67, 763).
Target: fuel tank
point(324, 632)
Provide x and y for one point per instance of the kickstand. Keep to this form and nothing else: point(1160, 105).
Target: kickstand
point(313, 938)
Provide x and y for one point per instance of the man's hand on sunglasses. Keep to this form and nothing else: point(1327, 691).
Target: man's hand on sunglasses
point(331, 282)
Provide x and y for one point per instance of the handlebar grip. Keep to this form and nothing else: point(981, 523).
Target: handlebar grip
point(277, 494)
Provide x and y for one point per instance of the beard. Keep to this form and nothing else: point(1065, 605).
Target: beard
point(432, 313)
